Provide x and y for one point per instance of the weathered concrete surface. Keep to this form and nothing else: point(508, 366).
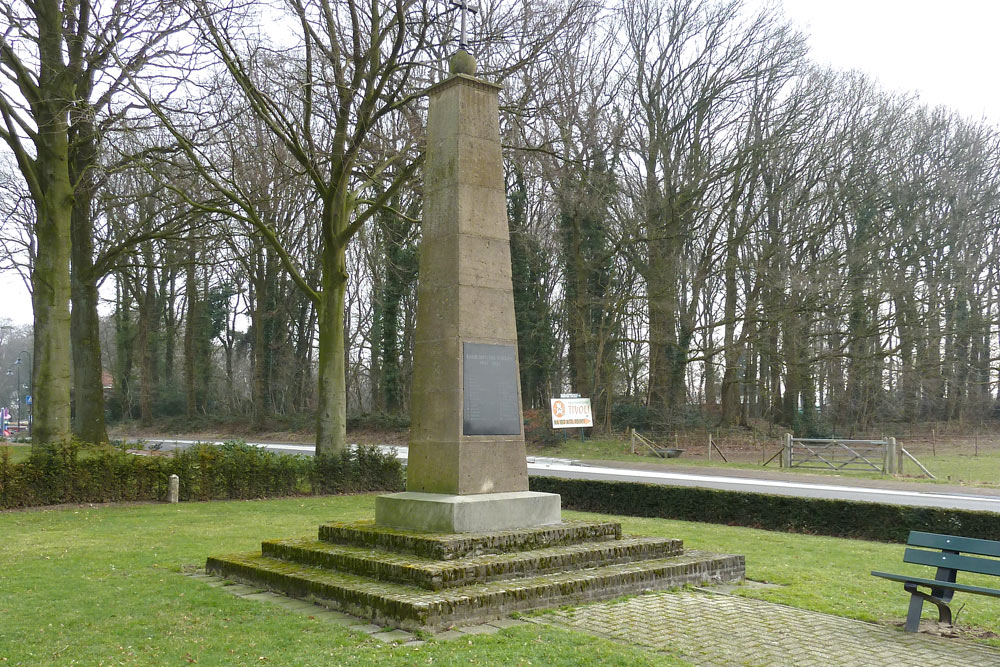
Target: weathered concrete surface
point(433, 574)
point(464, 295)
point(409, 607)
point(449, 546)
point(374, 572)
point(442, 513)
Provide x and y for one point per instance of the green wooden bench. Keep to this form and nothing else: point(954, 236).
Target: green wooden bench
point(949, 556)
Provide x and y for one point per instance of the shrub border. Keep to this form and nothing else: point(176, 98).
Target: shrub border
point(76, 473)
point(837, 518)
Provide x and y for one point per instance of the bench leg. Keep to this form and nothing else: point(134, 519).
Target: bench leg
point(917, 604)
point(944, 611)
point(913, 615)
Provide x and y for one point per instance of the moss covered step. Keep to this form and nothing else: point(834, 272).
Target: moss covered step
point(434, 574)
point(448, 546)
point(412, 608)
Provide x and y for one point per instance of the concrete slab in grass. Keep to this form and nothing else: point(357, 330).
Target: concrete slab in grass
point(337, 617)
point(298, 605)
point(484, 629)
point(265, 596)
point(241, 589)
point(368, 629)
point(504, 623)
point(394, 636)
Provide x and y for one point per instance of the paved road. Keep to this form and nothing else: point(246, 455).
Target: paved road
point(925, 496)
point(919, 498)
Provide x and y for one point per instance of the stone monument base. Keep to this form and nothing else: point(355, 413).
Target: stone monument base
point(424, 580)
point(443, 513)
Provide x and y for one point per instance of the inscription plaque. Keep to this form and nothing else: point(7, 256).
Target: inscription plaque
point(489, 390)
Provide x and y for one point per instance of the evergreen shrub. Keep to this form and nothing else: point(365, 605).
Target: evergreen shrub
point(364, 469)
point(75, 473)
point(378, 420)
point(631, 415)
point(810, 424)
point(837, 518)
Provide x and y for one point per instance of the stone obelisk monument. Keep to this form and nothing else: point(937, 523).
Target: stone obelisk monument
point(467, 469)
point(467, 542)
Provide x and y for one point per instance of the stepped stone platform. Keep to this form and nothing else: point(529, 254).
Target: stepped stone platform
point(432, 581)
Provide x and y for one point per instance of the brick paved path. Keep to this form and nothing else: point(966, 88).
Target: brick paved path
point(709, 629)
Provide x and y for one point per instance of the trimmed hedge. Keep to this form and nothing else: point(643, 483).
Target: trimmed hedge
point(838, 518)
point(75, 474)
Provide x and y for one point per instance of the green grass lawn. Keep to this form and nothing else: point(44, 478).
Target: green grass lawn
point(960, 468)
point(618, 450)
point(18, 453)
point(826, 574)
point(104, 585)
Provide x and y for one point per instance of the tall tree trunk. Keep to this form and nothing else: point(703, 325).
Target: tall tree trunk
point(665, 362)
point(930, 361)
point(191, 323)
point(578, 325)
point(331, 411)
point(306, 326)
point(959, 363)
point(124, 347)
point(908, 381)
point(145, 338)
point(791, 351)
point(88, 385)
point(52, 191)
point(260, 302)
point(168, 290)
point(50, 297)
point(979, 376)
point(708, 344)
point(729, 398)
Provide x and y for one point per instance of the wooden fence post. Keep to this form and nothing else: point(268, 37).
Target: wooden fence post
point(786, 452)
point(894, 462)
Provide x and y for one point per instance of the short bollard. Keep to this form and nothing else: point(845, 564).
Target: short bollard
point(174, 489)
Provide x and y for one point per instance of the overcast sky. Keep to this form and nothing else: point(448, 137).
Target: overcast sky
point(946, 51)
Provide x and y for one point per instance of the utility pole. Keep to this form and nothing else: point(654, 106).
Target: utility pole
point(17, 364)
point(30, 395)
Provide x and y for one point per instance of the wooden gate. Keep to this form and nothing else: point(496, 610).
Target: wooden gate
point(839, 454)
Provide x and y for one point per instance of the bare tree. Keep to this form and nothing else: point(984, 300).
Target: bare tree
point(66, 65)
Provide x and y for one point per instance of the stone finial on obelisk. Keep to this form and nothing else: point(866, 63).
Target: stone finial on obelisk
point(466, 469)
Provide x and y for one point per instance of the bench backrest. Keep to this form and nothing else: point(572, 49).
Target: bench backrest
point(956, 561)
